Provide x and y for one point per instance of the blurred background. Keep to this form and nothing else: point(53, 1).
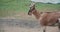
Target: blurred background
point(11, 7)
point(14, 17)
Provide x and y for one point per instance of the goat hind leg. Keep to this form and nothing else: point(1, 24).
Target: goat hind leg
point(59, 26)
point(44, 30)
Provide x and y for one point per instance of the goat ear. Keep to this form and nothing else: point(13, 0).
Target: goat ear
point(33, 4)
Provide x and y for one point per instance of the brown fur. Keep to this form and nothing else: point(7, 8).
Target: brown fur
point(48, 18)
point(45, 18)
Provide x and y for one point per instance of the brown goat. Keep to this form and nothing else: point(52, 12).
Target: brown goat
point(45, 18)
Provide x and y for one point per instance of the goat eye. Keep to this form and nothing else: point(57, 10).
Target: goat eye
point(30, 8)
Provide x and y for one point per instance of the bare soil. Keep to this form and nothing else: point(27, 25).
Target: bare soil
point(21, 22)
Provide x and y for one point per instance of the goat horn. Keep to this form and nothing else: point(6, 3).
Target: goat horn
point(32, 4)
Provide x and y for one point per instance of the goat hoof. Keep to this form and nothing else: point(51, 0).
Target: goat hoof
point(44, 31)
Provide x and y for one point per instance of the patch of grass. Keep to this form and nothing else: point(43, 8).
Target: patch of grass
point(9, 7)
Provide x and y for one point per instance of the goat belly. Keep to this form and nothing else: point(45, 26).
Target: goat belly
point(48, 22)
point(47, 19)
point(43, 22)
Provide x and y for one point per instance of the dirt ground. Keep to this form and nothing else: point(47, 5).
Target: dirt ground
point(18, 25)
point(23, 23)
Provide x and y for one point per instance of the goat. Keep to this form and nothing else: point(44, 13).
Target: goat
point(45, 18)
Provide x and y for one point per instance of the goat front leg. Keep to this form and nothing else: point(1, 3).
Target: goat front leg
point(59, 26)
point(44, 29)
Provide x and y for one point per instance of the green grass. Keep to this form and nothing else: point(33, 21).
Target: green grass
point(10, 7)
point(48, 7)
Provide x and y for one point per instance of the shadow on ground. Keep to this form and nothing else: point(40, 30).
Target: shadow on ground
point(19, 23)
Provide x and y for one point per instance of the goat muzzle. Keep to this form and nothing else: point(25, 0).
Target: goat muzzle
point(29, 13)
